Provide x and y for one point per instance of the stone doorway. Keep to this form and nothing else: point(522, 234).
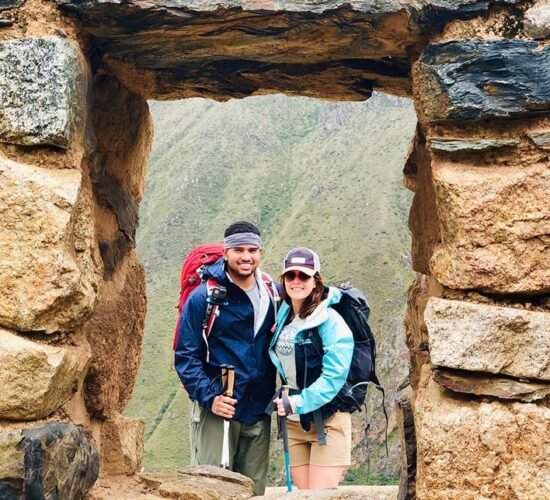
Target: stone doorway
point(76, 134)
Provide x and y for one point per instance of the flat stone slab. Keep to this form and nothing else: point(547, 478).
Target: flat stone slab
point(493, 386)
point(479, 337)
point(342, 492)
point(540, 139)
point(469, 146)
point(46, 272)
point(54, 461)
point(37, 379)
point(478, 449)
point(474, 80)
point(42, 84)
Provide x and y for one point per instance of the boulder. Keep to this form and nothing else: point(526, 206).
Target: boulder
point(47, 271)
point(494, 228)
point(55, 460)
point(121, 445)
point(469, 448)
point(473, 80)
point(42, 91)
point(537, 20)
point(479, 337)
point(115, 332)
point(36, 379)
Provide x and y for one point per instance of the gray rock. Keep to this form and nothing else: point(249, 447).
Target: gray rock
point(9, 4)
point(541, 139)
point(42, 85)
point(479, 80)
point(537, 20)
point(405, 425)
point(493, 386)
point(465, 146)
point(55, 461)
point(493, 339)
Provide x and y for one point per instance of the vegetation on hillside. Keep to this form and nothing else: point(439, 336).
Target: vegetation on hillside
point(308, 172)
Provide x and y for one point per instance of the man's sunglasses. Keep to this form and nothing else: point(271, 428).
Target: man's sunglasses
point(291, 276)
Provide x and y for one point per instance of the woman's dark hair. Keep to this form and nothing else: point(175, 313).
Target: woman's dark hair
point(310, 302)
point(241, 226)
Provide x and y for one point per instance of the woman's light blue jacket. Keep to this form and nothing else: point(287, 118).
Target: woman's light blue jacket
point(337, 341)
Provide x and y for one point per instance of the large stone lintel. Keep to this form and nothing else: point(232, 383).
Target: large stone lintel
point(479, 80)
point(479, 337)
point(221, 49)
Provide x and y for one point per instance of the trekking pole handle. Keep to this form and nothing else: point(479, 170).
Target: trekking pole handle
point(230, 381)
point(284, 396)
point(224, 377)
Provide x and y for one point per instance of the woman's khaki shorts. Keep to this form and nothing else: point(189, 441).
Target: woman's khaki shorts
point(304, 448)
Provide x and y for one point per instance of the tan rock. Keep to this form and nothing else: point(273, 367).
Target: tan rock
point(47, 272)
point(537, 20)
point(473, 449)
point(495, 228)
point(115, 331)
point(479, 337)
point(121, 445)
point(416, 333)
point(36, 379)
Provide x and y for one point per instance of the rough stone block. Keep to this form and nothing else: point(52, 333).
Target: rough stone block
point(121, 445)
point(540, 139)
point(52, 461)
point(479, 337)
point(537, 20)
point(481, 80)
point(495, 228)
point(116, 340)
point(42, 85)
point(47, 273)
point(475, 449)
point(36, 379)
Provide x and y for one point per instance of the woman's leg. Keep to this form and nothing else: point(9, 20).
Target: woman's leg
point(300, 476)
point(325, 476)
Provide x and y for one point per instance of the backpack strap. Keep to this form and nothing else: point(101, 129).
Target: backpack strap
point(214, 293)
point(272, 290)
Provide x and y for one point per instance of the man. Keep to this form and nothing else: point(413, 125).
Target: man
point(240, 336)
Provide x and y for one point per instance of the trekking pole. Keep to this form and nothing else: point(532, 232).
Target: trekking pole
point(284, 434)
point(228, 380)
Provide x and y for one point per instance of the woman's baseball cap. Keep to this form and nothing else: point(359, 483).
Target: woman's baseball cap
point(302, 259)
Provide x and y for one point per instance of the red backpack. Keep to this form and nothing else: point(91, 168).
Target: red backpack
point(191, 277)
point(191, 273)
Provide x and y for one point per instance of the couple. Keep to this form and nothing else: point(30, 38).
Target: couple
point(248, 336)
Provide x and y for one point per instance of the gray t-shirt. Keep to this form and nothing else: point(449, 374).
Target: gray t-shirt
point(254, 296)
point(284, 349)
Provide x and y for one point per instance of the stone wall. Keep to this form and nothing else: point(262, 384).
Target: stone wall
point(75, 136)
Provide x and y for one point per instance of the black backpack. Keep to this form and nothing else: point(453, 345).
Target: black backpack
point(355, 310)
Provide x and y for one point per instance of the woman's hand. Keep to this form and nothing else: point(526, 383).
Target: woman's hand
point(224, 406)
point(281, 411)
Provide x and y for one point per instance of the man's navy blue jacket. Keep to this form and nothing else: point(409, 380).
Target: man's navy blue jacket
point(232, 342)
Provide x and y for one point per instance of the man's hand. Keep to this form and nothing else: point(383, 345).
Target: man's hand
point(224, 406)
point(281, 409)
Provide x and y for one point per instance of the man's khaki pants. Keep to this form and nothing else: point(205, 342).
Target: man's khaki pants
point(248, 445)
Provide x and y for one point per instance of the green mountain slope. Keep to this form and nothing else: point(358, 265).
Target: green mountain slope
point(313, 173)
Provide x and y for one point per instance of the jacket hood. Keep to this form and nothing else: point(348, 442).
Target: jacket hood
point(320, 313)
point(216, 271)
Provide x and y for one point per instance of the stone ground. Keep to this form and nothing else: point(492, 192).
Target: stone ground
point(135, 488)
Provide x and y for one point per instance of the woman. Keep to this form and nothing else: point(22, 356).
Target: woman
point(312, 349)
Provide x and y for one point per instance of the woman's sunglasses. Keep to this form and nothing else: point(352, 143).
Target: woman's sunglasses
point(291, 276)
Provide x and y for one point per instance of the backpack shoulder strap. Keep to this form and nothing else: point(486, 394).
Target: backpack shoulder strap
point(272, 290)
point(214, 293)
